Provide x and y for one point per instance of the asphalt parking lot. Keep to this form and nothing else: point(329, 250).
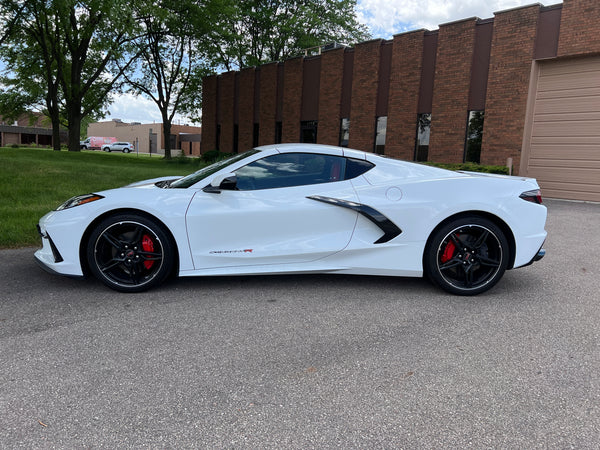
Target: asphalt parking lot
point(308, 361)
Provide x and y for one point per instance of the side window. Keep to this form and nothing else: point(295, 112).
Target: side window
point(356, 167)
point(290, 169)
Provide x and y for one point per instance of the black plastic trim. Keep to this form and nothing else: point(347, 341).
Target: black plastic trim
point(388, 227)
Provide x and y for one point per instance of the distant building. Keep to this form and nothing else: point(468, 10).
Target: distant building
point(521, 88)
point(149, 136)
point(24, 132)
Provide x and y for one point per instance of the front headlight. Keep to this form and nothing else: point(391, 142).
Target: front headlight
point(79, 200)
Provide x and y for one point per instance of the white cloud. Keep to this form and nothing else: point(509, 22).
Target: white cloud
point(386, 18)
point(131, 108)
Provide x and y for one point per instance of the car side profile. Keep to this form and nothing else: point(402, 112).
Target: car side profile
point(301, 208)
point(124, 147)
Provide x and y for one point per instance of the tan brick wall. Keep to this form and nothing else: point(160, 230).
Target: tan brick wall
point(292, 100)
point(330, 97)
point(508, 84)
point(246, 109)
point(579, 27)
point(209, 114)
point(403, 100)
point(365, 78)
point(451, 91)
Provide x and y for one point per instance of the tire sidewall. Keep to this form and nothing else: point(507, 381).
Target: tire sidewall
point(160, 232)
point(430, 265)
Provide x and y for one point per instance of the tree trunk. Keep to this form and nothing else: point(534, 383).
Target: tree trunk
point(74, 116)
point(167, 136)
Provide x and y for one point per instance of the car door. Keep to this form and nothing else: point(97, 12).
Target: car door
point(268, 217)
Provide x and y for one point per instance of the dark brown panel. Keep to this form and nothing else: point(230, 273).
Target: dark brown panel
point(430, 42)
point(219, 96)
point(347, 83)
point(383, 89)
point(546, 42)
point(256, 95)
point(268, 103)
point(481, 64)
point(236, 99)
point(279, 112)
point(310, 88)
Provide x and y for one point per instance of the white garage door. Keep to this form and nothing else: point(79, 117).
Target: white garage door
point(562, 134)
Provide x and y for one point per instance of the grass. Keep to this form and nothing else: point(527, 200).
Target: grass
point(35, 181)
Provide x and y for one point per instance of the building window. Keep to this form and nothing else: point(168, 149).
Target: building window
point(423, 132)
point(474, 136)
point(308, 131)
point(380, 130)
point(255, 135)
point(278, 132)
point(236, 137)
point(218, 136)
point(344, 132)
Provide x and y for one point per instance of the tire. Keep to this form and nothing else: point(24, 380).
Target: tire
point(467, 256)
point(106, 149)
point(130, 253)
point(125, 150)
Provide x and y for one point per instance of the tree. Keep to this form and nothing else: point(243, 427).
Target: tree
point(171, 66)
point(253, 32)
point(76, 45)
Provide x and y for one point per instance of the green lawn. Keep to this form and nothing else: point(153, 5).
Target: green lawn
point(35, 181)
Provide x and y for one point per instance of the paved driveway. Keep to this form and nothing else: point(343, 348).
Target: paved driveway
point(308, 361)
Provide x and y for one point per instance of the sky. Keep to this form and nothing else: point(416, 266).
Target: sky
point(384, 19)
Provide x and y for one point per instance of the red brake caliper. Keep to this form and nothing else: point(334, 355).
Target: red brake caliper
point(448, 252)
point(147, 246)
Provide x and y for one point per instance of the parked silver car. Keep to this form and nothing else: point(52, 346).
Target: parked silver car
point(124, 147)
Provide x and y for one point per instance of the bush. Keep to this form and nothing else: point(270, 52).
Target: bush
point(471, 167)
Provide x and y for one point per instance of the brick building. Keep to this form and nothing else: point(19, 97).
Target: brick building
point(521, 87)
point(24, 131)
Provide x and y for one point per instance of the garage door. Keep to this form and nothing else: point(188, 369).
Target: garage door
point(561, 147)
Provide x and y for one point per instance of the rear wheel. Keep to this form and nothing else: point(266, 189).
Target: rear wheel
point(467, 256)
point(125, 150)
point(130, 253)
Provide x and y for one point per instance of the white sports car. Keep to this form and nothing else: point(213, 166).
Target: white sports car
point(301, 208)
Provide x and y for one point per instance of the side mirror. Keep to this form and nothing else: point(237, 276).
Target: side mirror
point(223, 182)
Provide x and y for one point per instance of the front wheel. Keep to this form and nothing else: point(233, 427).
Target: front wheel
point(106, 149)
point(130, 253)
point(467, 256)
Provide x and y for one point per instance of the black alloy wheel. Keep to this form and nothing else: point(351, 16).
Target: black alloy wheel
point(467, 256)
point(130, 253)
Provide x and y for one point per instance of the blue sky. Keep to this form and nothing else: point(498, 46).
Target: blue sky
point(383, 17)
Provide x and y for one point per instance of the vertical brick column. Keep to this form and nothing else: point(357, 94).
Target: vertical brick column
point(209, 114)
point(226, 102)
point(267, 104)
point(365, 78)
point(579, 27)
point(246, 109)
point(330, 96)
point(456, 42)
point(511, 56)
point(403, 101)
point(292, 99)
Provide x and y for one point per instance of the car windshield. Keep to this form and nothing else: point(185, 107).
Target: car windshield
point(201, 174)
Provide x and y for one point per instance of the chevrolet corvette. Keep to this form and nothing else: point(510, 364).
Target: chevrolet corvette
point(301, 208)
